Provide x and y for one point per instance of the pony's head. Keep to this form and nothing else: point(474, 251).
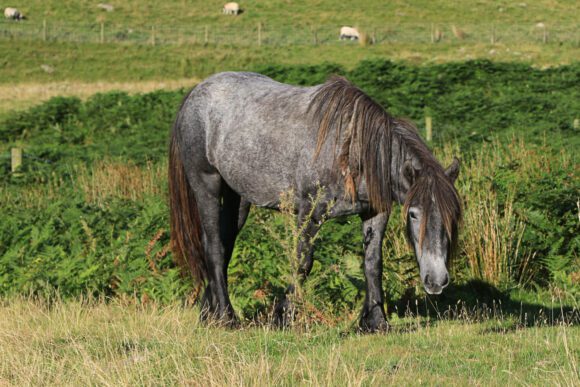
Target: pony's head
point(369, 144)
point(432, 210)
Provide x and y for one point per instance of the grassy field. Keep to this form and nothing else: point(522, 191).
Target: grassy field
point(27, 61)
point(90, 342)
point(91, 67)
point(305, 13)
point(87, 213)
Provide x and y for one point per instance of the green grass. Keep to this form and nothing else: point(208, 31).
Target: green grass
point(515, 22)
point(87, 342)
point(518, 38)
point(305, 13)
point(116, 62)
point(125, 342)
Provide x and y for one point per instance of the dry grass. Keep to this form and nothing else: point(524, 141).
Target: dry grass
point(492, 234)
point(92, 342)
point(99, 182)
point(492, 239)
point(120, 179)
point(23, 95)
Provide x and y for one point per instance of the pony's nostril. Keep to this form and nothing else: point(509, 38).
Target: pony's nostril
point(427, 282)
point(445, 281)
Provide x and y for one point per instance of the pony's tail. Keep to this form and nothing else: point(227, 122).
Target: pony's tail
point(186, 232)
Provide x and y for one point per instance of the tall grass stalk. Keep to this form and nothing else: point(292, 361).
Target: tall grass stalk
point(492, 239)
point(109, 178)
point(493, 230)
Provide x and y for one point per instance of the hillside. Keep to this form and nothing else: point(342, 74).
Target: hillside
point(144, 44)
point(304, 13)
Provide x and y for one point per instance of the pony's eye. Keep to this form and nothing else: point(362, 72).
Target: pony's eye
point(413, 215)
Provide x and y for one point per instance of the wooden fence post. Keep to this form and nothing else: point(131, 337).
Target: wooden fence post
point(44, 36)
point(259, 34)
point(102, 33)
point(16, 154)
point(545, 38)
point(153, 35)
point(432, 33)
point(206, 39)
point(315, 31)
point(576, 124)
point(492, 34)
point(428, 128)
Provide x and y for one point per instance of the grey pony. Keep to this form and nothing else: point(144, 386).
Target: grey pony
point(242, 139)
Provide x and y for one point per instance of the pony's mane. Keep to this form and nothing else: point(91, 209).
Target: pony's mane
point(365, 128)
point(363, 134)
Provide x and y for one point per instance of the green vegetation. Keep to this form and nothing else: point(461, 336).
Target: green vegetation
point(90, 294)
point(304, 13)
point(87, 212)
point(60, 43)
point(91, 62)
point(403, 32)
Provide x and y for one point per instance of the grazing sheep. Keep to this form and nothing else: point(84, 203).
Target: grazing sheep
point(105, 7)
point(47, 69)
point(231, 9)
point(14, 14)
point(458, 32)
point(349, 33)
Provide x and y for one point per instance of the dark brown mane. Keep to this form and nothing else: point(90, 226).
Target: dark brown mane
point(366, 131)
point(365, 128)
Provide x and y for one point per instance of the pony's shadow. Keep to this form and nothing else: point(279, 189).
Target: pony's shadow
point(478, 301)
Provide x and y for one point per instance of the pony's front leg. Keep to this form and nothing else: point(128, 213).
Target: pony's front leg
point(373, 314)
point(284, 310)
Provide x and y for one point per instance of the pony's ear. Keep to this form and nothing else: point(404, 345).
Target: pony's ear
point(452, 170)
point(409, 174)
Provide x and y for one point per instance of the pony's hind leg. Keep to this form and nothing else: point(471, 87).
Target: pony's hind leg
point(235, 211)
point(218, 210)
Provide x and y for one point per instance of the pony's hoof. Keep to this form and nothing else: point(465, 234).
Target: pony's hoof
point(374, 321)
point(374, 326)
point(223, 320)
point(283, 314)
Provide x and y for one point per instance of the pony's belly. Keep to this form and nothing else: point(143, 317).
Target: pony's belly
point(347, 207)
point(259, 186)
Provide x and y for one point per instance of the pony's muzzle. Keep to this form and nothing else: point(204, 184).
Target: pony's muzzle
point(434, 284)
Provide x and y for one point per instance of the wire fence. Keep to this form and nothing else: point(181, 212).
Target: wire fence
point(263, 34)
